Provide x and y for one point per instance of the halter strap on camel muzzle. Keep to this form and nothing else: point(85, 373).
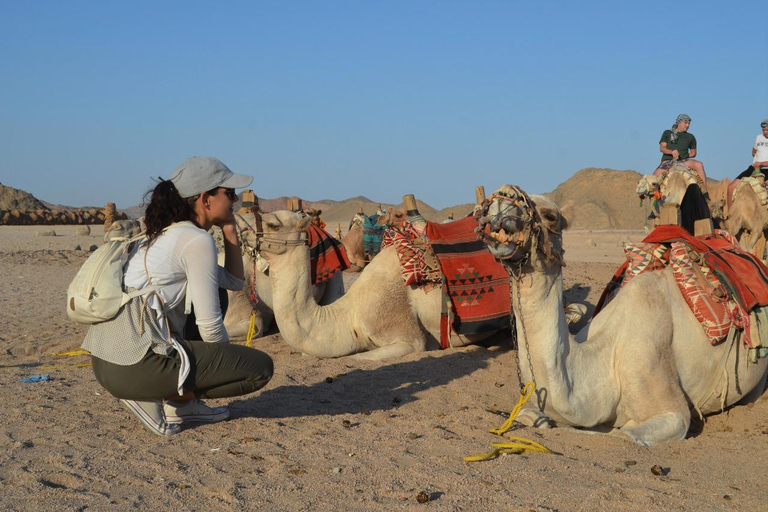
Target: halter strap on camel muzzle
point(262, 238)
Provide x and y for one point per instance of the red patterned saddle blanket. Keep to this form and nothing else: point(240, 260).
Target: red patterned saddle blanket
point(720, 283)
point(327, 255)
point(475, 285)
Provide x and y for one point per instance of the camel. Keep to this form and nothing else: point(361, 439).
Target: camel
point(670, 187)
point(353, 243)
point(378, 317)
point(237, 320)
point(353, 240)
point(638, 367)
point(748, 215)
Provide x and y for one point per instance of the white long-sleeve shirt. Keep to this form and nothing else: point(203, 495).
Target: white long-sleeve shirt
point(185, 254)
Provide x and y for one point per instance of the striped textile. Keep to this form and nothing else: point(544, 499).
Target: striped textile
point(327, 255)
point(722, 288)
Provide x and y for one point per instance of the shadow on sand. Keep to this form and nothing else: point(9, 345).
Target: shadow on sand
point(365, 390)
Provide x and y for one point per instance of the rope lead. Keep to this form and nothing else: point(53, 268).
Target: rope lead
point(516, 445)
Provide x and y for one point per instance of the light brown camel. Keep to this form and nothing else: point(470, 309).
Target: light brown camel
point(748, 214)
point(639, 366)
point(353, 243)
point(257, 276)
point(353, 240)
point(379, 317)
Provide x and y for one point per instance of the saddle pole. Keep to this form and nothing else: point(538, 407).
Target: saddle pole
point(479, 195)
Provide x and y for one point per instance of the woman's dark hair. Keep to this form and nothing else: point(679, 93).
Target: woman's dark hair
point(164, 207)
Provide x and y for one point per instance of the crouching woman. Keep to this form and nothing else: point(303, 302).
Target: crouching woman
point(141, 356)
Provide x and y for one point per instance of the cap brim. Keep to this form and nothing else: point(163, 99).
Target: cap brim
point(237, 181)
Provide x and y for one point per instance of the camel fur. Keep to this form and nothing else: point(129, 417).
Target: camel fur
point(640, 366)
point(747, 216)
point(257, 278)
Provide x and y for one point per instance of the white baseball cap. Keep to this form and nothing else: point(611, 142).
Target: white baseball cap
point(198, 174)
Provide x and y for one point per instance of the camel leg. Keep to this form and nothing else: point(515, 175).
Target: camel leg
point(531, 417)
point(396, 349)
point(668, 426)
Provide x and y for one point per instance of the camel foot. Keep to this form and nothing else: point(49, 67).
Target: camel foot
point(669, 426)
point(574, 313)
point(534, 418)
point(386, 352)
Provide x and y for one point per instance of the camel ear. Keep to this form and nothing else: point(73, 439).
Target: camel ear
point(304, 222)
point(319, 212)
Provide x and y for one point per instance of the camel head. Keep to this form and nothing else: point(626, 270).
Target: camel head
point(520, 229)
point(395, 217)
point(357, 220)
point(314, 214)
point(283, 230)
point(647, 185)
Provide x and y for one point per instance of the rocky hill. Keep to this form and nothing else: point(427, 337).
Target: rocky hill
point(601, 199)
point(15, 199)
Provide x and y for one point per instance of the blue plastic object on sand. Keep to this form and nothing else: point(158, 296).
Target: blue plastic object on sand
point(35, 378)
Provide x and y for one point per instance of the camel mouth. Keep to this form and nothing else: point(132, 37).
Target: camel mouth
point(505, 223)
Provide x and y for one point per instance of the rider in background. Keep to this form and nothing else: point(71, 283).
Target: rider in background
point(677, 144)
point(759, 154)
point(759, 159)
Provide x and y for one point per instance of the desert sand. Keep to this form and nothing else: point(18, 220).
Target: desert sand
point(333, 434)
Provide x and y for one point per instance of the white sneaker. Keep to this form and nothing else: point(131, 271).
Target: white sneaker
point(152, 416)
point(194, 411)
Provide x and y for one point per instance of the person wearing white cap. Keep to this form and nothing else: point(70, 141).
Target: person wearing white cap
point(142, 356)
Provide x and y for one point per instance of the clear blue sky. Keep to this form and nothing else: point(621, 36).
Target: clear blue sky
point(332, 99)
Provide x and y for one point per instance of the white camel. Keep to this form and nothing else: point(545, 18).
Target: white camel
point(256, 298)
point(639, 366)
point(379, 317)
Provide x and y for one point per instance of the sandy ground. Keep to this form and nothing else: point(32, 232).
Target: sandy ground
point(333, 434)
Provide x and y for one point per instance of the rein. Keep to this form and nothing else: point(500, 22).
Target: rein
point(261, 238)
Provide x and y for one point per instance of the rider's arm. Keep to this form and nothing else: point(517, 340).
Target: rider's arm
point(663, 148)
point(692, 153)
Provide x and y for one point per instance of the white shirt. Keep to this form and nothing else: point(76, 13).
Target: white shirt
point(184, 260)
point(761, 148)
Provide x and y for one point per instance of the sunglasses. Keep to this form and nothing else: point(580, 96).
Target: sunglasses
point(230, 192)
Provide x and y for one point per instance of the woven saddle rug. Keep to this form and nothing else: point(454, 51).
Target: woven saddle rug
point(372, 234)
point(327, 255)
point(720, 283)
point(476, 284)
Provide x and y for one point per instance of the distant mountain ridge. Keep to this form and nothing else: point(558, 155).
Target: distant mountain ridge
point(593, 198)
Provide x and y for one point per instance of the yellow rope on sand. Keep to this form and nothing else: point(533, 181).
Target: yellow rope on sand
point(251, 330)
point(72, 353)
point(514, 445)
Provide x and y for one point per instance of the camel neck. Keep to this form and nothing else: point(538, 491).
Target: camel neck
point(304, 324)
